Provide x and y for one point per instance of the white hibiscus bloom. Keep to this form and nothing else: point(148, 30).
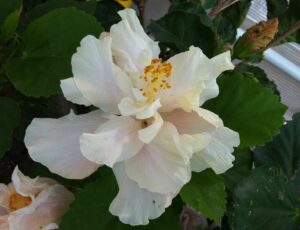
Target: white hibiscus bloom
point(32, 204)
point(151, 127)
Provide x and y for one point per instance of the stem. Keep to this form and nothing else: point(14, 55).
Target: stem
point(191, 220)
point(287, 33)
point(141, 6)
point(222, 5)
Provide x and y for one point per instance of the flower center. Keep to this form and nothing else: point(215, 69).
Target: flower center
point(17, 201)
point(155, 76)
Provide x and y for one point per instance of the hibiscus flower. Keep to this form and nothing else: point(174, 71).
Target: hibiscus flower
point(150, 130)
point(32, 204)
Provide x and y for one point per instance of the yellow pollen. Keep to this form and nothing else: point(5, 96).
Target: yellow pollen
point(155, 76)
point(17, 201)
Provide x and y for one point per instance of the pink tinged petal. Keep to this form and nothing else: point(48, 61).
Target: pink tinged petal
point(130, 44)
point(194, 122)
point(115, 140)
point(134, 205)
point(217, 155)
point(94, 73)
point(26, 186)
point(48, 207)
point(149, 133)
point(4, 223)
point(3, 212)
point(163, 165)
point(55, 143)
point(72, 93)
point(129, 107)
point(5, 193)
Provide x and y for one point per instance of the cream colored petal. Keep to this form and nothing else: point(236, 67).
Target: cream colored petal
point(129, 107)
point(134, 205)
point(219, 63)
point(218, 154)
point(114, 141)
point(55, 143)
point(48, 207)
point(130, 44)
point(51, 226)
point(72, 93)
point(149, 133)
point(194, 78)
point(94, 73)
point(163, 165)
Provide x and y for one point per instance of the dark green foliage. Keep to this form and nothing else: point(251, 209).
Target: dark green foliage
point(206, 194)
point(9, 117)
point(240, 106)
point(265, 200)
point(283, 151)
point(49, 43)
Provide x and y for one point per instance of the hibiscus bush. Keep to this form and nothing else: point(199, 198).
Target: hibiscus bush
point(122, 124)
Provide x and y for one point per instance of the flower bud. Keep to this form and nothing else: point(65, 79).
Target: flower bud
point(256, 39)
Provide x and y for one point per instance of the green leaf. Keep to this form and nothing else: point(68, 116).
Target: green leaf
point(10, 116)
point(258, 74)
point(276, 7)
point(206, 194)
point(10, 25)
point(179, 30)
point(242, 166)
point(106, 13)
point(284, 150)
point(237, 12)
point(246, 107)
point(49, 43)
point(226, 29)
point(8, 7)
point(288, 14)
point(51, 5)
point(265, 200)
point(90, 210)
point(207, 4)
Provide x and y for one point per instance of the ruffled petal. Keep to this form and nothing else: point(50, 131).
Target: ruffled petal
point(115, 140)
point(134, 205)
point(5, 193)
point(193, 78)
point(26, 186)
point(217, 155)
point(129, 107)
point(4, 223)
point(163, 165)
point(72, 93)
point(149, 133)
point(132, 47)
point(219, 64)
point(51, 226)
point(95, 74)
point(197, 121)
point(55, 143)
point(48, 207)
